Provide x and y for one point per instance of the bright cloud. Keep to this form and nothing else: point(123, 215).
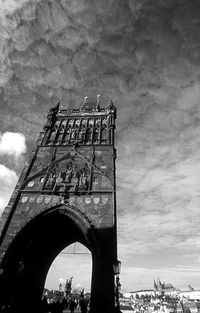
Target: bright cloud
point(12, 144)
point(10, 6)
point(8, 180)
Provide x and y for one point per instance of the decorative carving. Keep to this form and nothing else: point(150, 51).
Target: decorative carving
point(81, 135)
point(68, 175)
point(104, 135)
point(96, 136)
point(51, 179)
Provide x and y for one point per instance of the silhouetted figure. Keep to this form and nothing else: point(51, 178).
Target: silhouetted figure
point(83, 305)
point(72, 306)
point(57, 307)
point(65, 304)
point(61, 306)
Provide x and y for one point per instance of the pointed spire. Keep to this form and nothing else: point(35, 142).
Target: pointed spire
point(56, 107)
point(51, 117)
point(98, 103)
point(159, 282)
point(111, 106)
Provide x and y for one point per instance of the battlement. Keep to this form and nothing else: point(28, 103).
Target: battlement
point(89, 111)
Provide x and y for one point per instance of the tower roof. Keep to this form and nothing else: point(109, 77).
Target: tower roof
point(89, 106)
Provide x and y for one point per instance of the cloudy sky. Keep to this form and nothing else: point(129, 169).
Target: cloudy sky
point(145, 54)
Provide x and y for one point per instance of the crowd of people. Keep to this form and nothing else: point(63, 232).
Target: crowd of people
point(58, 306)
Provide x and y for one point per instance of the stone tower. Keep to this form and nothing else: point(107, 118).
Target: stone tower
point(66, 193)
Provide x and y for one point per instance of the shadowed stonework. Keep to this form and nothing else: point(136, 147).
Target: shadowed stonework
point(66, 193)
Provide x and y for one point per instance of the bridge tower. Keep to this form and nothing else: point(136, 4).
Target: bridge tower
point(66, 193)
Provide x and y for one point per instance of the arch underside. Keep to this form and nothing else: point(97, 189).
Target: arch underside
point(32, 252)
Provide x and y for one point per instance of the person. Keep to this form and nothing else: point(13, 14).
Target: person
point(72, 306)
point(83, 305)
point(57, 307)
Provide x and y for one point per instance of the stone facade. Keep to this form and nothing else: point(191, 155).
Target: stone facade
point(71, 173)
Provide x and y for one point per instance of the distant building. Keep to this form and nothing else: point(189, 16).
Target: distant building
point(188, 307)
point(161, 288)
point(167, 289)
point(139, 293)
point(190, 295)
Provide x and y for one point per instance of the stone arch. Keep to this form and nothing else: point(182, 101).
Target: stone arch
point(33, 250)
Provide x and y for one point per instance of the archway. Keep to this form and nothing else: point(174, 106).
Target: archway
point(74, 264)
point(33, 250)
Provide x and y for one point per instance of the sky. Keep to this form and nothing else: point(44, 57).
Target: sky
point(145, 54)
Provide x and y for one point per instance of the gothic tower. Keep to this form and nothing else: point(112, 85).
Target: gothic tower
point(66, 193)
